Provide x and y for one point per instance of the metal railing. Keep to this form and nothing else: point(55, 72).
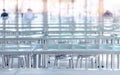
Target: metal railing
point(45, 45)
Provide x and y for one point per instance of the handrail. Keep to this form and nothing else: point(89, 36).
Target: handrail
point(80, 52)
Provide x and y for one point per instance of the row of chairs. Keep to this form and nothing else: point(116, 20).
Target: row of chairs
point(48, 61)
point(67, 61)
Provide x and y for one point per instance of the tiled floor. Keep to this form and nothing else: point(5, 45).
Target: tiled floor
point(57, 72)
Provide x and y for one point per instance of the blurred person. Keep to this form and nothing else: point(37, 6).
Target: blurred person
point(108, 21)
point(108, 14)
point(28, 17)
point(4, 16)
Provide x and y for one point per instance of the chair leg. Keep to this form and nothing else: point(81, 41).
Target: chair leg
point(10, 62)
point(56, 62)
point(3, 61)
point(71, 65)
point(77, 62)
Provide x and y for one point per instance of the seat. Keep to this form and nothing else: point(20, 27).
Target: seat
point(14, 61)
point(60, 61)
point(85, 61)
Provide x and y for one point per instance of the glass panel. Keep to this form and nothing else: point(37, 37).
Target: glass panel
point(61, 19)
